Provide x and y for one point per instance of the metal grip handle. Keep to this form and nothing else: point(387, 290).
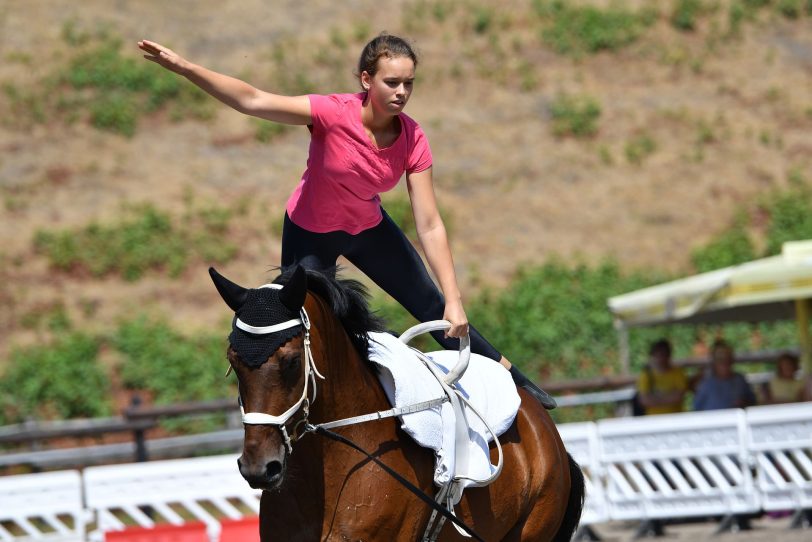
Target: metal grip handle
point(437, 325)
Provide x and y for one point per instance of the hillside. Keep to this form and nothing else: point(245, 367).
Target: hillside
point(695, 125)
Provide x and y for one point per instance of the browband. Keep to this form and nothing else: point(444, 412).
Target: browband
point(265, 330)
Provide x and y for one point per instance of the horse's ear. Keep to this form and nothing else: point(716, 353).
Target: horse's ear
point(293, 294)
point(233, 294)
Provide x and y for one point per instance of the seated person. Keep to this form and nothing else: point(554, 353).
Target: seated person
point(661, 386)
point(722, 387)
point(784, 387)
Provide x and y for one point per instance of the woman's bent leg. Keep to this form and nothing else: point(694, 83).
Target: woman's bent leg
point(386, 256)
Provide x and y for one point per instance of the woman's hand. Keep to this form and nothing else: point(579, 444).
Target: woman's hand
point(455, 314)
point(164, 56)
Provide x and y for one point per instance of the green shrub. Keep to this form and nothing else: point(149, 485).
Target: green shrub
point(144, 239)
point(639, 148)
point(790, 213)
point(55, 381)
point(109, 89)
point(587, 29)
point(731, 247)
point(791, 9)
point(174, 368)
point(115, 112)
point(266, 131)
point(483, 19)
point(685, 14)
point(555, 317)
point(575, 115)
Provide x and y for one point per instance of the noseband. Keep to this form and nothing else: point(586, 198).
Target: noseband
point(310, 374)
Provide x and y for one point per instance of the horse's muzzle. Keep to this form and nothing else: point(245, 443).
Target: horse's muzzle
point(262, 476)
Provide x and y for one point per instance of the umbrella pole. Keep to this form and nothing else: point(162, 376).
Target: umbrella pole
point(623, 346)
point(802, 317)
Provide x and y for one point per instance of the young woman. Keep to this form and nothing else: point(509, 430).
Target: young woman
point(361, 144)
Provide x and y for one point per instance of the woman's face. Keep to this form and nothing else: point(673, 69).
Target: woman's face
point(391, 86)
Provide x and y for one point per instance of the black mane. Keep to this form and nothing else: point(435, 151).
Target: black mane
point(348, 299)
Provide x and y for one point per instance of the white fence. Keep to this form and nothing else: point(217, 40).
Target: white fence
point(726, 463)
point(67, 506)
point(145, 494)
point(723, 463)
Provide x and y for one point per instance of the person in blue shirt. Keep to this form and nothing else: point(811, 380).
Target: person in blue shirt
point(722, 387)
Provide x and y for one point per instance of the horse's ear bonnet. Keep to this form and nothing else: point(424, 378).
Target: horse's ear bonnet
point(262, 307)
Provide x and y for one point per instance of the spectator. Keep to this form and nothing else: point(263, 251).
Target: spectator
point(661, 387)
point(722, 387)
point(784, 387)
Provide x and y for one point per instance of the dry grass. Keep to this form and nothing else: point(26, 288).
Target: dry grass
point(730, 118)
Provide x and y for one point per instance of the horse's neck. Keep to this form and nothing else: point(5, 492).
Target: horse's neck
point(350, 388)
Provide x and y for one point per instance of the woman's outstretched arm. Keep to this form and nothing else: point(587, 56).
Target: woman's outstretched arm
point(230, 90)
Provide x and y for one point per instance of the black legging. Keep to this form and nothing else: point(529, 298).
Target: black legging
point(385, 255)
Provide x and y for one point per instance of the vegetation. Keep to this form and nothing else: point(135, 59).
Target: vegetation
point(789, 215)
point(55, 381)
point(730, 247)
point(684, 16)
point(575, 115)
point(145, 238)
point(266, 131)
point(110, 90)
point(173, 367)
point(576, 30)
point(639, 148)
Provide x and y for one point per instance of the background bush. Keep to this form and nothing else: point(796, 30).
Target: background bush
point(174, 368)
point(55, 381)
point(145, 238)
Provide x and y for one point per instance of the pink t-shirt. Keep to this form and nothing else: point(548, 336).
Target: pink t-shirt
point(346, 172)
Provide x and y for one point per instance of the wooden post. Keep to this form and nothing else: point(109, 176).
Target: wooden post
point(802, 317)
point(138, 435)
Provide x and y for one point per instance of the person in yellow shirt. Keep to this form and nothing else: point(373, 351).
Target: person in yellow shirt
point(784, 387)
point(661, 386)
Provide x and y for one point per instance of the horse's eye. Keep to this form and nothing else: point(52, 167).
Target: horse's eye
point(291, 365)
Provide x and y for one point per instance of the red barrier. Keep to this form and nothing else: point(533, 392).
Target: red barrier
point(240, 530)
point(194, 531)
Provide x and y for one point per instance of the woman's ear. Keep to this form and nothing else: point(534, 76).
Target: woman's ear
point(366, 80)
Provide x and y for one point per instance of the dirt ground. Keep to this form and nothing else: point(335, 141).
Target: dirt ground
point(730, 118)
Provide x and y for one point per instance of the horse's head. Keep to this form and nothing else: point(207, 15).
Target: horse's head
point(268, 354)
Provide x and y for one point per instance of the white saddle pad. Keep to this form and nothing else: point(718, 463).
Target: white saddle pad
point(486, 384)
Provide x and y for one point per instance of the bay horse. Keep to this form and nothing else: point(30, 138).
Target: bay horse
point(317, 489)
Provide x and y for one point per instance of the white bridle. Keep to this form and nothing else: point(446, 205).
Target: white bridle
point(310, 373)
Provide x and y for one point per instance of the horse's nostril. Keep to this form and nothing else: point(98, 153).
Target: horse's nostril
point(273, 469)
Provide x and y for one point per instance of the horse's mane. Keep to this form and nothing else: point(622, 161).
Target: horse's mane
point(348, 299)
